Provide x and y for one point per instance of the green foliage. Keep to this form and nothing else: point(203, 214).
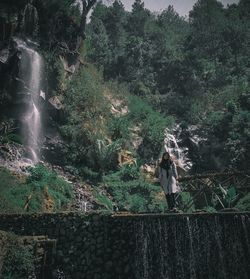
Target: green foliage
point(210, 209)
point(226, 198)
point(131, 192)
point(13, 138)
point(103, 200)
point(106, 155)
point(86, 109)
point(7, 132)
point(129, 172)
point(186, 198)
point(42, 185)
point(229, 196)
point(244, 203)
point(18, 263)
point(119, 128)
point(89, 122)
point(89, 174)
point(153, 124)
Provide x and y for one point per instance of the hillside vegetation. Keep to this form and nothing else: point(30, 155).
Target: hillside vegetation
point(132, 76)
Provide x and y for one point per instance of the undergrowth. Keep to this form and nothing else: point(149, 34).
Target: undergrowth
point(42, 191)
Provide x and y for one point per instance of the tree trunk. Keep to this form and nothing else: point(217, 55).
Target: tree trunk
point(86, 7)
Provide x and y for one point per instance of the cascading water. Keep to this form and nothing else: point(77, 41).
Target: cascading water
point(30, 74)
point(181, 154)
point(195, 246)
point(183, 144)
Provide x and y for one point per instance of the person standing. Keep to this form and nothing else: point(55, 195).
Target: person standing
point(168, 177)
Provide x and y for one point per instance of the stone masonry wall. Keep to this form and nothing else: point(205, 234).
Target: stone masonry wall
point(143, 246)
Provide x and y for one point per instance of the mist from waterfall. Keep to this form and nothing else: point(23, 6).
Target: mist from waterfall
point(30, 73)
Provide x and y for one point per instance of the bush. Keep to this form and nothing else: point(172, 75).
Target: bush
point(103, 200)
point(129, 172)
point(9, 138)
point(86, 114)
point(119, 128)
point(42, 191)
point(153, 124)
point(244, 203)
point(131, 192)
point(19, 262)
point(87, 173)
point(106, 155)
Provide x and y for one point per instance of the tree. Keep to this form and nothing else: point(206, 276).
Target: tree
point(114, 20)
point(86, 7)
point(99, 50)
point(138, 19)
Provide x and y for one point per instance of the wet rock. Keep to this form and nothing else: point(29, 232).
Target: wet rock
point(55, 109)
point(54, 150)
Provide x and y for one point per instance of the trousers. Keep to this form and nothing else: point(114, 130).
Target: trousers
point(171, 200)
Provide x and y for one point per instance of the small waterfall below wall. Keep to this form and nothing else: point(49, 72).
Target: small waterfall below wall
point(30, 73)
point(208, 246)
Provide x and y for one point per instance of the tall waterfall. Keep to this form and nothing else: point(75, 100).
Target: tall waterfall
point(31, 75)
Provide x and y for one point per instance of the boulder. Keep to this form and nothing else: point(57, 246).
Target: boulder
point(55, 109)
point(54, 150)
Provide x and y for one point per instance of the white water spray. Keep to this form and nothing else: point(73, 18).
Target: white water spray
point(181, 154)
point(31, 76)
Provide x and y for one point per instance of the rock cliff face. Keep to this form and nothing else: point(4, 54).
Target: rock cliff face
point(24, 105)
point(143, 246)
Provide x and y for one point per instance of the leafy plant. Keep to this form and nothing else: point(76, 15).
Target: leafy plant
point(131, 192)
point(226, 197)
point(103, 200)
point(43, 190)
point(244, 203)
point(19, 262)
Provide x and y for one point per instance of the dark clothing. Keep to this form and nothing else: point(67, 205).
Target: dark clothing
point(165, 164)
point(171, 201)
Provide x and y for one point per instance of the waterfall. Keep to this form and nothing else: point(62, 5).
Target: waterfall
point(30, 74)
point(171, 144)
point(208, 246)
point(184, 145)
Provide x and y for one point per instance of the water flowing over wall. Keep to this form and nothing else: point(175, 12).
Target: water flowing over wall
point(30, 73)
point(143, 246)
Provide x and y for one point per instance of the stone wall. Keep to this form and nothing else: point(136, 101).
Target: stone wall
point(143, 246)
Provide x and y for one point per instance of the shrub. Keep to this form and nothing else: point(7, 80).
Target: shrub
point(106, 155)
point(129, 172)
point(244, 203)
point(119, 128)
point(153, 124)
point(43, 190)
point(87, 173)
point(103, 200)
point(130, 191)
point(86, 114)
point(19, 262)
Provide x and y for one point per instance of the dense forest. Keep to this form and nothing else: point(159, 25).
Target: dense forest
point(194, 69)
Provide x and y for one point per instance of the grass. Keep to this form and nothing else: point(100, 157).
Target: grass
point(41, 191)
